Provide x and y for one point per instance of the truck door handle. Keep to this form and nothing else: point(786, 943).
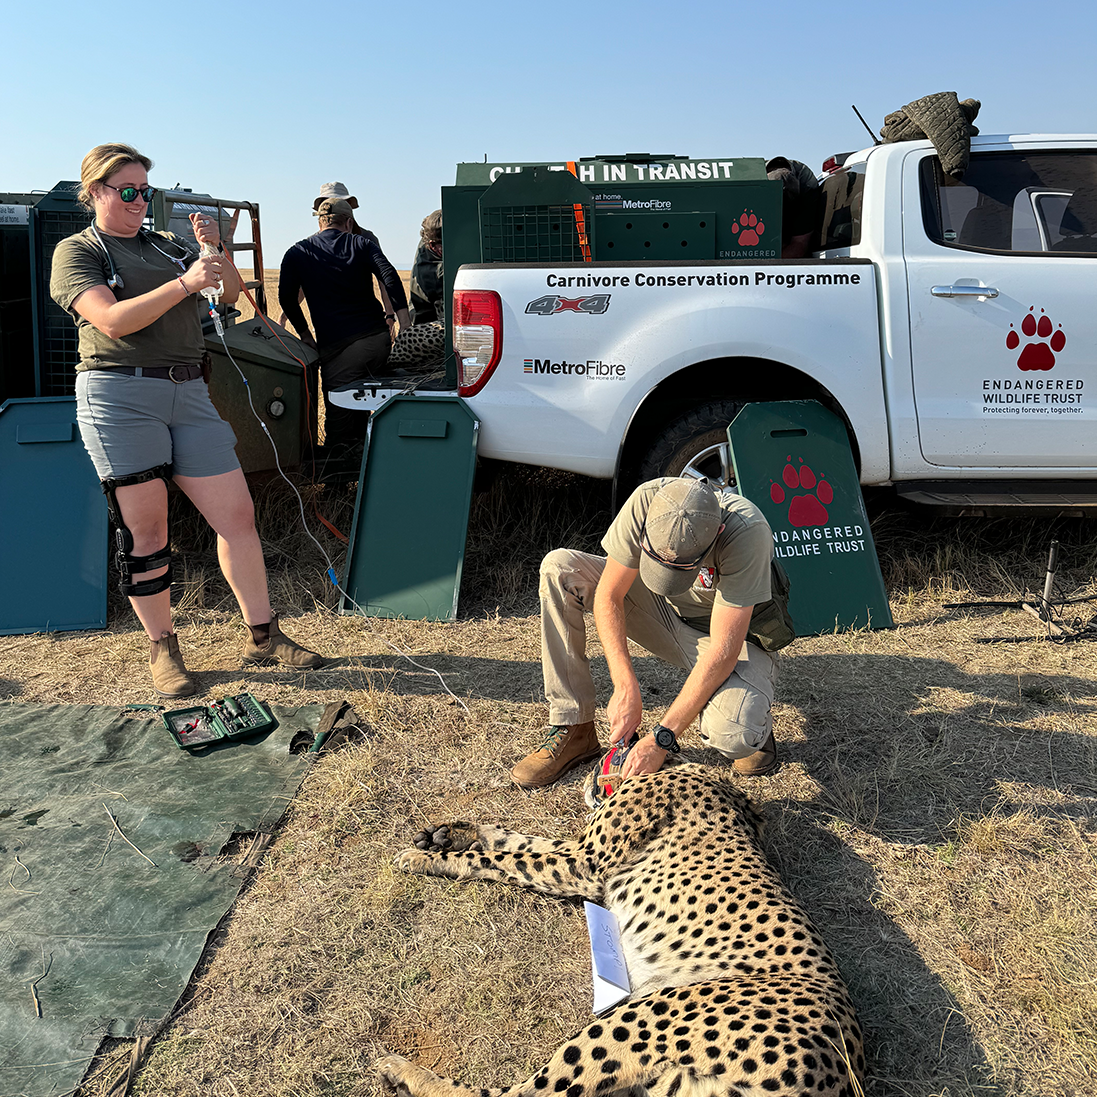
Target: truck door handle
point(963, 291)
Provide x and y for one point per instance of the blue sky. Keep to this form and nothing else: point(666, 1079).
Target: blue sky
point(266, 101)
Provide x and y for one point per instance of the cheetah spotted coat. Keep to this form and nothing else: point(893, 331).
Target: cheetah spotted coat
point(734, 992)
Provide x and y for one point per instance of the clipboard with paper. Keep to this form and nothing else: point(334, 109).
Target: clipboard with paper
point(607, 959)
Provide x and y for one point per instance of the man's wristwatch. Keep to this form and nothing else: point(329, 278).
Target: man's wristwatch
point(666, 739)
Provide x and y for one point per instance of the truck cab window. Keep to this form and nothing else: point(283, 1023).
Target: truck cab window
point(841, 201)
point(1014, 202)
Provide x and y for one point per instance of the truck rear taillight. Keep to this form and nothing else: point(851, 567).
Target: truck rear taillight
point(477, 337)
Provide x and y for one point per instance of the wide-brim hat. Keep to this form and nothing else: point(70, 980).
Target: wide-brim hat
point(335, 190)
point(680, 527)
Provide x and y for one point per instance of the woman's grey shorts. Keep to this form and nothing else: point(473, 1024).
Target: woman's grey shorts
point(130, 424)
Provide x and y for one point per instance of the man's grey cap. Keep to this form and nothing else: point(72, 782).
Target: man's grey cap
point(682, 522)
point(333, 207)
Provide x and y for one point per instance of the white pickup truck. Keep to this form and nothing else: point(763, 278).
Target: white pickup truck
point(951, 325)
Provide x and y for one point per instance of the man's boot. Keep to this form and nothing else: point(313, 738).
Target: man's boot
point(169, 675)
point(564, 748)
point(761, 762)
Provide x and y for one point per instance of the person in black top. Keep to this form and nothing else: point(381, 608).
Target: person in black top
point(426, 273)
point(339, 190)
point(801, 211)
point(335, 269)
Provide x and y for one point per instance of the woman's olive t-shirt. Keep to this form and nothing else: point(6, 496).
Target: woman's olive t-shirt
point(79, 264)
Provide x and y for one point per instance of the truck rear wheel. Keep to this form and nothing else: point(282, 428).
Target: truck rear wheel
point(695, 444)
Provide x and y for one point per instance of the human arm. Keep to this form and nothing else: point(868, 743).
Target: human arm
point(389, 313)
point(392, 316)
point(117, 319)
point(386, 301)
point(282, 317)
point(391, 285)
point(290, 295)
point(727, 631)
point(625, 706)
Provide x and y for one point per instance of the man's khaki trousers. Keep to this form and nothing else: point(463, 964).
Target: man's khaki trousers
point(736, 719)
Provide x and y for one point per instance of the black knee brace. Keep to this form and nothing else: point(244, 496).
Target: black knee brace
point(128, 564)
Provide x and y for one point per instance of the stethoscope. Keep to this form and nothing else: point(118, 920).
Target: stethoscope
point(115, 279)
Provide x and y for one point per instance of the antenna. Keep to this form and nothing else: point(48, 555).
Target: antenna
point(875, 139)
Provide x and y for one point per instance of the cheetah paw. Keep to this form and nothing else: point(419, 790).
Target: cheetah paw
point(455, 836)
point(415, 860)
point(393, 1069)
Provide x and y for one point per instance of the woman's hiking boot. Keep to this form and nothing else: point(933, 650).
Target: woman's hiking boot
point(269, 644)
point(169, 675)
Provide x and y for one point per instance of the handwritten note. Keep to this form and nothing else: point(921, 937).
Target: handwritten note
point(607, 960)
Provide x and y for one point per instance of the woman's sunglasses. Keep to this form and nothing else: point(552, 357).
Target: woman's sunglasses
point(128, 194)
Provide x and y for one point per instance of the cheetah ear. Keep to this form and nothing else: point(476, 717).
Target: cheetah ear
point(594, 796)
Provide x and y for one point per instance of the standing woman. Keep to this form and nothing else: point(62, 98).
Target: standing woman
point(144, 409)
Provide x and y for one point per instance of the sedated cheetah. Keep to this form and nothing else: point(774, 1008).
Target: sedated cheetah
point(734, 992)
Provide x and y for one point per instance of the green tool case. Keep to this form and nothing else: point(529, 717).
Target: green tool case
point(230, 718)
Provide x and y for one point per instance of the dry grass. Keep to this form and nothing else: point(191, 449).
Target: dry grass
point(935, 813)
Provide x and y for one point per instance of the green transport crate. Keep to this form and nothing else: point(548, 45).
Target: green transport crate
point(625, 209)
point(276, 383)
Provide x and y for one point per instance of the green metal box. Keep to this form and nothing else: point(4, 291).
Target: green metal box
point(276, 384)
point(657, 208)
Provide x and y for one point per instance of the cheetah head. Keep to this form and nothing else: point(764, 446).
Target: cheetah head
point(596, 793)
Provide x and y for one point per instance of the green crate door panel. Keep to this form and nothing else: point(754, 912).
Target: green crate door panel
point(792, 459)
point(53, 555)
point(407, 544)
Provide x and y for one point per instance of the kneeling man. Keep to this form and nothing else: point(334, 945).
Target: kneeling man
point(685, 569)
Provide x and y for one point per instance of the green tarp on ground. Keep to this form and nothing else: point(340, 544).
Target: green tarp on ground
point(93, 936)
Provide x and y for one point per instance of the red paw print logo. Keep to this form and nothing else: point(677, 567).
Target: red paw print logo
point(1039, 355)
point(804, 510)
point(750, 230)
